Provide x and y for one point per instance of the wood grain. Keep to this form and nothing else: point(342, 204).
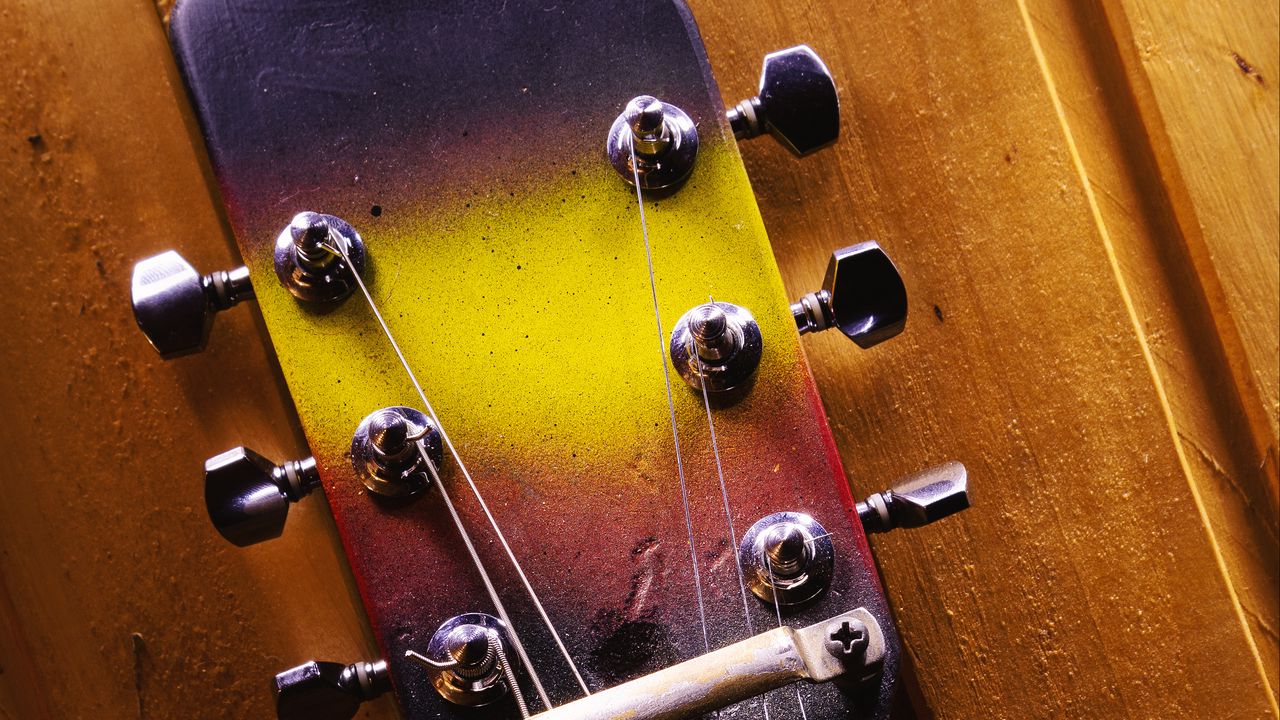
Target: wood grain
point(1082, 199)
point(118, 598)
point(1071, 590)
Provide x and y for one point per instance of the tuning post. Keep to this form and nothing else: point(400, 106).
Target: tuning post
point(787, 558)
point(174, 305)
point(664, 139)
point(797, 103)
point(308, 260)
point(468, 664)
point(716, 344)
point(384, 451)
point(328, 690)
point(248, 496)
point(916, 500)
point(862, 295)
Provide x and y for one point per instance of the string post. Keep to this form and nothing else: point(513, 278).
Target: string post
point(467, 661)
point(788, 549)
point(716, 345)
point(788, 559)
point(316, 256)
point(385, 455)
point(652, 144)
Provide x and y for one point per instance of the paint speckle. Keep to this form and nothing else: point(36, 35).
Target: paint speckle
point(376, 211)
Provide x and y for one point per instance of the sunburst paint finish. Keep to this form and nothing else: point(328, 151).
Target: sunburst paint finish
point(465, 144)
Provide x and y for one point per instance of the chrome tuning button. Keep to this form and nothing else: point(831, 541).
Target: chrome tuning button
point(468, 663)
point(248, 496)
point(174, 305)
point(328, 690)
point(311, 257)
point(916, 500)
point(787, 558)
point(662, 138)
point(797, 103)
point(863, 296)
point(384, 451)
point(716, 345)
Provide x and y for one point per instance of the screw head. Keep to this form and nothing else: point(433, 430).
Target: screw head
point(847, 638)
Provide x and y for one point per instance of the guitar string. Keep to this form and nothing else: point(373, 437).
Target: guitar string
point(488, 586)
point(728, 513)
point(341, 249)
point(671, 405)
point(777, 608)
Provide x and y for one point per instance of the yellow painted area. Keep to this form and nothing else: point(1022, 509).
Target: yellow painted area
point(527, 312)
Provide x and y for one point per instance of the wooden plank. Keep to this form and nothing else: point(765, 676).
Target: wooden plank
point(1218, 162)
point(1087, 563)
point(119, 599)
point(1119, 158)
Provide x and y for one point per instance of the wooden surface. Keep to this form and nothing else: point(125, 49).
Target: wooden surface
point(1082, 198)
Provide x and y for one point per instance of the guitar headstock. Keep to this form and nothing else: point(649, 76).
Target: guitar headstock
point(517, 283)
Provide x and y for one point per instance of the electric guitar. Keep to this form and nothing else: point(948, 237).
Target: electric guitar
point(517, 283)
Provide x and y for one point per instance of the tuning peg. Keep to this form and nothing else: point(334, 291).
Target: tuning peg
point(916, 500)
point(248, 496)
point(797, 103)
point(862, 295)
point(328, 690)
point(174, 305)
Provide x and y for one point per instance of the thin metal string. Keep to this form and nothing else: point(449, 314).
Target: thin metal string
point(777, 608)
point(671, 405)
point(496, 643)
point(340, 247)
point(728, 514)
point(484, 576)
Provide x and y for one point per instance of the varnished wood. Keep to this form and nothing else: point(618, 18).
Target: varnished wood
point(1120, 560)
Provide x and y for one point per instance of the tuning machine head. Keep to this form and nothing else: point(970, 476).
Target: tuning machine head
point(248, 496)
point(312, 254)
point(328, 690)
point(916, 500)
point(716, 346)
point(384, 451)
point(174, 305)
point(797, 103)
point(787, 558)
point(863, 295)
point(660, 137)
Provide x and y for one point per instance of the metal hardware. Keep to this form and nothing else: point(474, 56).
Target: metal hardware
point(717, 343)
point(862, 295)
point(732, 674)
point(174, 305)
point(248, 496)
point(797, 103)
point(328, 690)
point(847, 638)
point(916, 500)
point(787, 558)
point(468, 663)
point(307, 263)
point(665, 140)
point(384, 452)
